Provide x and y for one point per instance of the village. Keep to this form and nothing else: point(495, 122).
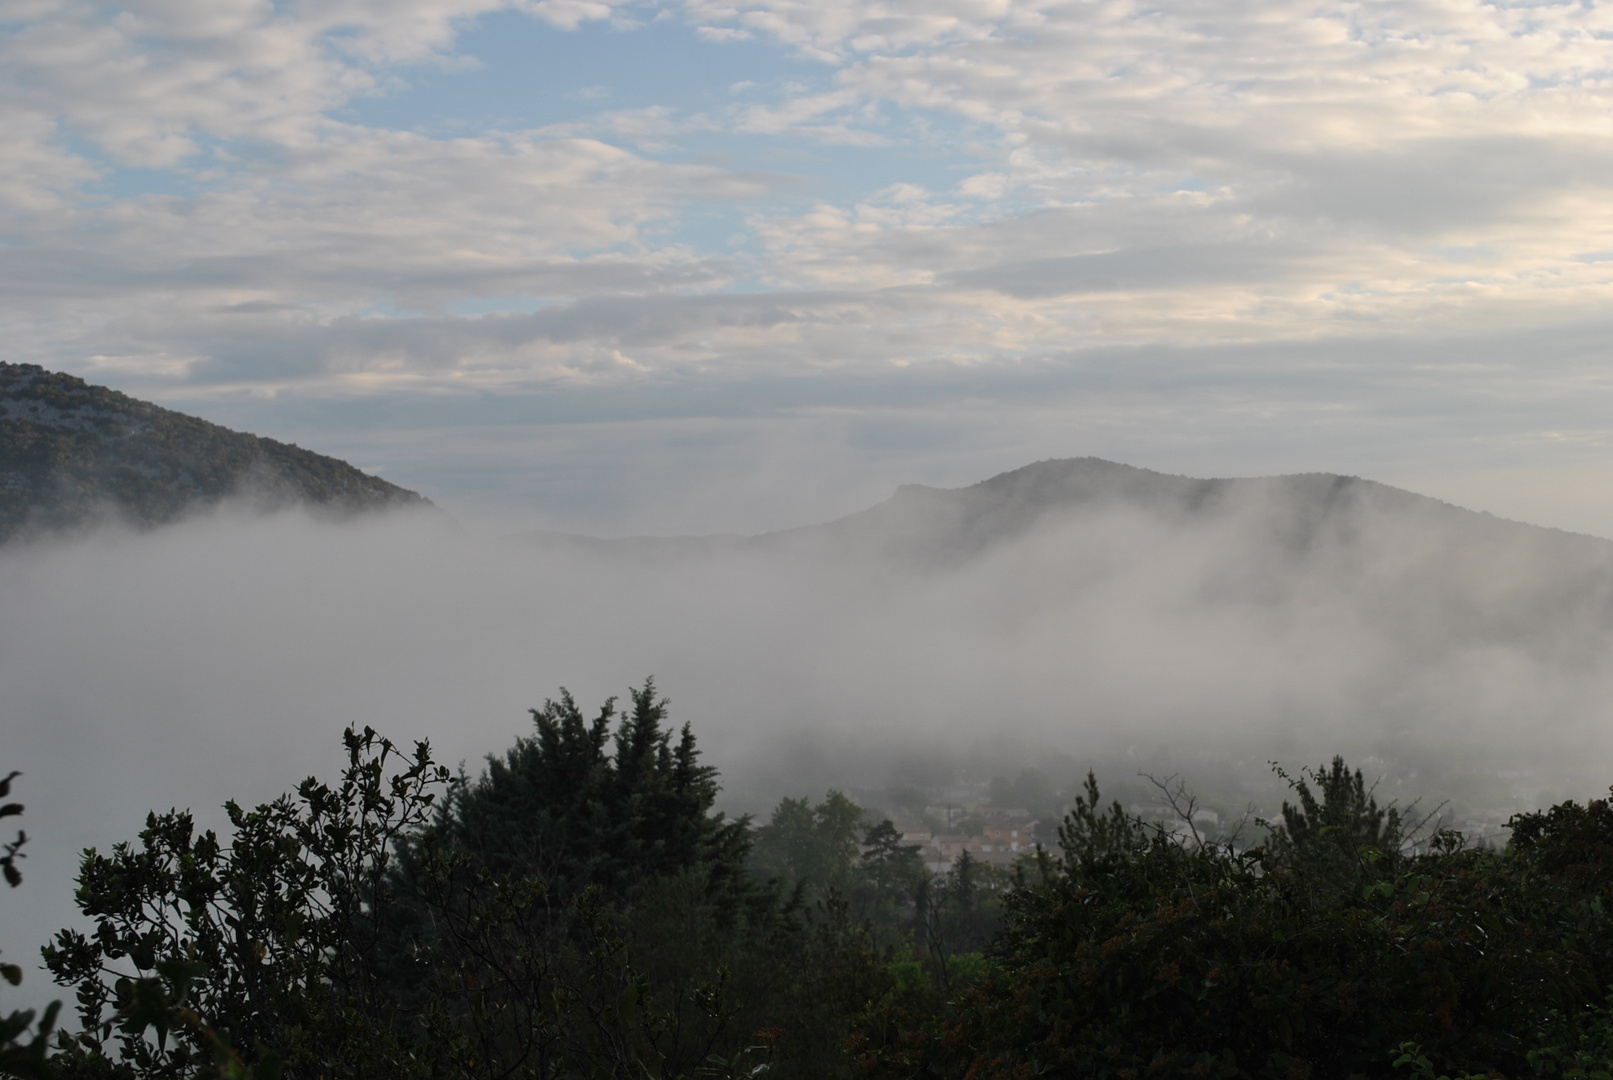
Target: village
point(999, 836)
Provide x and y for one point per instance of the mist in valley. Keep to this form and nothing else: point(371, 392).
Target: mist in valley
point(1075, 617)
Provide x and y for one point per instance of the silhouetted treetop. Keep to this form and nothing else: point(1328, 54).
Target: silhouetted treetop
point(608, 801)
point(1345, 822)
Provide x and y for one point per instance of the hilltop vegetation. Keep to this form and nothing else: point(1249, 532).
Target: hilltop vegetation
point(579, 910)
point(71, 453)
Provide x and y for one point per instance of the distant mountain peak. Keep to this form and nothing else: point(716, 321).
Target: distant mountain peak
point(923, 526)
point(73, 453)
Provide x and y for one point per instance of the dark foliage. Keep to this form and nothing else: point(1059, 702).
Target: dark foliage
point(1138, 955)
point(19, 1057)
point(1344, 832)
point(599, 802)
point(265, 942)
point(811, 847)
point(580, 911)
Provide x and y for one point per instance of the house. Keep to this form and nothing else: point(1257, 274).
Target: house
point(1013, 834)
point(916, 834)
point(1000, 855)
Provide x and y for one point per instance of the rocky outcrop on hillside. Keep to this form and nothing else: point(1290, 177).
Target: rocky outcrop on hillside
point(72, 453)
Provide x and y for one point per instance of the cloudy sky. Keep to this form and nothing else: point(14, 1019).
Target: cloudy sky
point(739, 264)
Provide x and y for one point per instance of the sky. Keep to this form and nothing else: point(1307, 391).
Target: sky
point(706, 265)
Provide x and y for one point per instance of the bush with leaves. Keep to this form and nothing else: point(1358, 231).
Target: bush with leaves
point(578, 911)
point(610, 802)
point(581, 911)
point(611, 820)
point(1137, 954)
point(264, 942)
point(958, 915)
point(892, 872)
point(272, 953)
point(1343, 834)
point(814, 848)
point(17, 1057)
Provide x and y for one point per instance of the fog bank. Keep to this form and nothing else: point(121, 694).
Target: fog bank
point(221, 658)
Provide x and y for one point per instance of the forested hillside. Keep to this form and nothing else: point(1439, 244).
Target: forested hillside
point(579, 910)
point(71, 453)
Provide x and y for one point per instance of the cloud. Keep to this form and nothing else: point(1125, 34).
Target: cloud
point(220, 658)
point(1381, 131)
point(1129, 269)
point(722, 33)
point(1380, 166)
point(196, 201)
point(570, 14)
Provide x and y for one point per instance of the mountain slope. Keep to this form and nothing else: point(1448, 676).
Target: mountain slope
point(925, 525)
point(1411, 564)
point(1415, 574)
point(71, 453)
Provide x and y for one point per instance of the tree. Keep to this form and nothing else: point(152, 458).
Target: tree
point(811, 846)
point(275, 951)
point(263, 943)
point(18, 1058)
point(579, 804)
point(1345, 826)
point(577, 911)
point(892, 867)
point(1139, 954)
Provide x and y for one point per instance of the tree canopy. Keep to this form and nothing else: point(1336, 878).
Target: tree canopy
point(609, 802)
point(580, 911)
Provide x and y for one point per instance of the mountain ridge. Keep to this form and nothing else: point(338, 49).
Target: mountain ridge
point(72, 453)
point(942, 525)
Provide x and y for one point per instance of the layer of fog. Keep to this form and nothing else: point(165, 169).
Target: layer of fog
point(222, 657)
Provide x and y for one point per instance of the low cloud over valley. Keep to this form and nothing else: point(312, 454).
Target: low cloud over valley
point(1069, 614)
